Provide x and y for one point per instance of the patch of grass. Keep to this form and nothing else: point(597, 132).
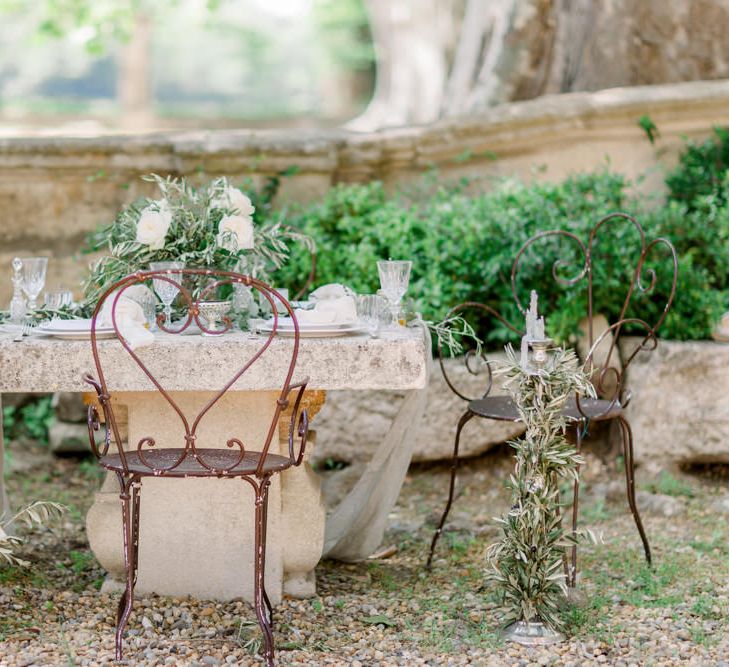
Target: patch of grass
point(668, 485)
point(459, 544)
point(705, 607)
point(379, 576)
point(81, 561)
point(582, 620)
point(596, 512)
point(717, 542)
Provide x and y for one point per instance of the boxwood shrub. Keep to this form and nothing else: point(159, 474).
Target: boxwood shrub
point(463, 244)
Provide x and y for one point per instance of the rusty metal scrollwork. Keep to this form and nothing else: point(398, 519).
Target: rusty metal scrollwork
point(161, 461)
point(475, 363)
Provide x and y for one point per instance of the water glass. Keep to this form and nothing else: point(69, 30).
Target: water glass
point(165, 290)
point(58, 298)
point(34, 278)
point(394, 280)
point(370, 311)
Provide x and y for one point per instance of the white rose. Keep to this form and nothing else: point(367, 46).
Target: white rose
point(152, 228)
point(234, 200)
point(235, 232)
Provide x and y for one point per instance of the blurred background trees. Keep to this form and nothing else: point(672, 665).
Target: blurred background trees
point(138, 64)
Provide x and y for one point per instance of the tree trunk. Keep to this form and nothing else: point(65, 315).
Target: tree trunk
point(410, 47)
point(506, 50)
point(134, 85)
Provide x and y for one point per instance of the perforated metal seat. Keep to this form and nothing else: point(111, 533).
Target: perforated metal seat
point(219, 460)
point(503, 408)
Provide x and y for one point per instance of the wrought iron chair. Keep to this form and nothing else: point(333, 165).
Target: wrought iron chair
point(233, 460)
point(607, 378)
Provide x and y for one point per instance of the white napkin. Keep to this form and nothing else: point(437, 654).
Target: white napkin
point(130, 321)
point(340, 310)
point(330, 291)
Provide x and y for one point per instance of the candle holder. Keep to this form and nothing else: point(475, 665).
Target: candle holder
point(532, 633)
point(534, 344)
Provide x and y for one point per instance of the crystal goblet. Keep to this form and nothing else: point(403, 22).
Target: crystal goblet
point(58, 298)
point(211, 312)
point(370, 309)
point(394, 280)
point(34, 278)
point(167, 291)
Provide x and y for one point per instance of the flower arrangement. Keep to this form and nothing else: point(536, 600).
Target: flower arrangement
point(211, 226)
point(528, 563)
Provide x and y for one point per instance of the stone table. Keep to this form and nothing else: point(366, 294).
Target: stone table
point(196, 535)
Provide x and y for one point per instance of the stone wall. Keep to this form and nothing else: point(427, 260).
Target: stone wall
point(690, 382)
point(53, 191)
point(687, 380)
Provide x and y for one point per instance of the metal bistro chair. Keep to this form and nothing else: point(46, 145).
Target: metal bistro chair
point(607, 379)
point(232, 459)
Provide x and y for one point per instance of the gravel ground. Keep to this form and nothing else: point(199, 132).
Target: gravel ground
point(387, 611)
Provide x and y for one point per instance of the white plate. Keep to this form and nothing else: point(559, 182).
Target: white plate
point(78, 335)
point(287, 324)
point(71, 326)
point(73, 330)
point(333, 330)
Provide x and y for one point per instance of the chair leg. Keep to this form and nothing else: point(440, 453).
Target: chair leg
point(259, 592)
point(130, 525)
point(572, 580)
point(465, 418)
point(269, 607)
point(627, 438)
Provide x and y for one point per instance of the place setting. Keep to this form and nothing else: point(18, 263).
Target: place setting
point(336, 310)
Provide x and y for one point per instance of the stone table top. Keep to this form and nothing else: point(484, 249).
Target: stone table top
point(395, 361)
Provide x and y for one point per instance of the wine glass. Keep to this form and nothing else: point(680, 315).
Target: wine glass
point(394, 279)
point(34, 278)
point(370, 308)
point(166, 291)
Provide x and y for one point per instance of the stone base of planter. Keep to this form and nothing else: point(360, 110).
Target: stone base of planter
point(680, 407)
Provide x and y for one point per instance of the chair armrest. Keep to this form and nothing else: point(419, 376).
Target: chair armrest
point(299, 424)
point(92, 418)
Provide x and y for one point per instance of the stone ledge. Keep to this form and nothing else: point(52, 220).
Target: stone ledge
point(680, 407)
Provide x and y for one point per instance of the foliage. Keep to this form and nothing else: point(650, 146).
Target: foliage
point(345, 33)
point(105, 21)
point(35, 514)
point(31, 420)
point(702, 171)
point(194, 235)
point(649, 127)
point(527, 564)
point(463, 247)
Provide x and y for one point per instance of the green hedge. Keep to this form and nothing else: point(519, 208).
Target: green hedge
point(463, 246)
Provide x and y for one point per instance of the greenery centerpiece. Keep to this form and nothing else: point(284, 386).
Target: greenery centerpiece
point(210, 226)
point(528, 564)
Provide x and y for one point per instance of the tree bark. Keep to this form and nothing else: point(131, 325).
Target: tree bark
point(507, 50)
point(410, 47)
point(134, 83)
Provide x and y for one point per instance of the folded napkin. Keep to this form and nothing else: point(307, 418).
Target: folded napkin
point(130, 321)
point(340, 310)
point(330, 291)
